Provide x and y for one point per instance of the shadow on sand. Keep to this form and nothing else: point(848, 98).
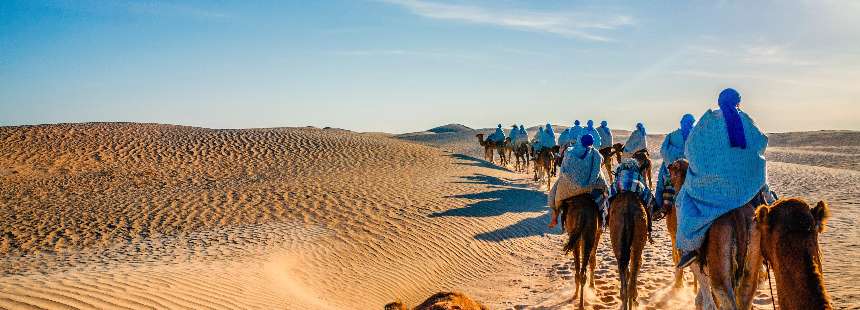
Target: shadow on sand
point(471, 161)
point(533, 226)
point(503, 197)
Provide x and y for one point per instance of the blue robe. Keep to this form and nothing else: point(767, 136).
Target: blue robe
point(594, 134)
point(635, 142)
point(671, 150)
point(720, 178)
point(605, 137)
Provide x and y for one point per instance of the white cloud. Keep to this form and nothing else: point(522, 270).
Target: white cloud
point(569, 24)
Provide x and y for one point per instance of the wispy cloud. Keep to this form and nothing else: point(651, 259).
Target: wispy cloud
point(754, 54)
point(581, 25)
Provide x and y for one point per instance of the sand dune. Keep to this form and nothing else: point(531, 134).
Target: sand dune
point(120, 215)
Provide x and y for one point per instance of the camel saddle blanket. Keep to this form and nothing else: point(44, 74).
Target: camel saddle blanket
point(628, 179)
point(580, 174)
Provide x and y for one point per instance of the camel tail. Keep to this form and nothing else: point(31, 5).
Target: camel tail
point(578, 229)
point(626, 239)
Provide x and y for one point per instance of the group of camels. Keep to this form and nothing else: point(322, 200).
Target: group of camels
point(782, 236)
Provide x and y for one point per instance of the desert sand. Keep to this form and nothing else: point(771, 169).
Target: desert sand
point(151, 216)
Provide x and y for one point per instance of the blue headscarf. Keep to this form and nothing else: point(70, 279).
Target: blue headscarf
point(590, 124)
point(522, 129)
point(586, 140)
point(603, 123)
point(576, 122)
point(687, 124)
point(549, 130)
point(728, 101)
point(641, 128)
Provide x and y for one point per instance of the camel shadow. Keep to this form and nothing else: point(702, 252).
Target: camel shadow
point(534, 226)
point(498, 202)
point(472, 161)
point(488, 180)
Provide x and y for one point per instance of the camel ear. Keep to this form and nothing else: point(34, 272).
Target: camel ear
point(761, 215)
point(821, 212)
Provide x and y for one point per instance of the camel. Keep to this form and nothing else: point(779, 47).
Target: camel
point(580, 219)
point(521, 152)
point(490, 146)
point(607, 153)
point(672, 216)
point(544, 165)
point(628, 231)
point(789, 244)
point(644, 160)
point(729, 263)
point(441, 301)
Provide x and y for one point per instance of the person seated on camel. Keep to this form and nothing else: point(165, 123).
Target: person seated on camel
point(671, 150)
point(537, 143)
point(523, 133)
point(605, 136)
point(564, 138)
point(549, 137)
point(727, 170)
point(628, 178)
point(636, 141)
point(580, 174)
point(575, 133)
point(514, 135)
point(498, 136)
point(590, 130)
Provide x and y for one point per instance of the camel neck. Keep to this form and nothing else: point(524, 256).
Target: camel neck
point(799, 281)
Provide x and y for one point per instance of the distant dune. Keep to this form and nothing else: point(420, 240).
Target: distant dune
point(143, 216)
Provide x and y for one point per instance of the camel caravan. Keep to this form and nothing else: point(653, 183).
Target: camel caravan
point(724, 221)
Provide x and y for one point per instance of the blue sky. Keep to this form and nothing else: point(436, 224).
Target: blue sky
point(408, 65)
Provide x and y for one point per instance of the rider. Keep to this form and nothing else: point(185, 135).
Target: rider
point(628, 178)
point(636, 141)
point(537, 143)
point(727, 170)
point(514, 135)
point(549, 135)
point(575, 133)
point(498, 136)
point(523, 134)
point(590, 130)
point(605, 135)
point(564, 137)
point(580, 174)
point(672, 150)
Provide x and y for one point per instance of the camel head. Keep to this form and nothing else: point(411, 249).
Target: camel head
point(789, 232)
point(678, 173)
point(481, 139)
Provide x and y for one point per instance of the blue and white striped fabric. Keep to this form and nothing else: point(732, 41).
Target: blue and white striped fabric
point(628, 179)
point(720, 178)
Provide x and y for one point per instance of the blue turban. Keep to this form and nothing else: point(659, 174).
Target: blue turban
point(587, 140)
point(603, 123)
point(641, 128)
point(500, 125)
point(590, 124)
point(687, 124)
point(576, 122)
point(728, 101)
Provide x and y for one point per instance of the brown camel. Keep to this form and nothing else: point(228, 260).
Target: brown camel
point(607, 153)
point(521, 152)
point(441, 301)
point(729, 261)
point(580, 219)
point(544, 165)
point(789, 244)
point(629, 232)
point(675, 169)
point(488, 147)
point(644, 160)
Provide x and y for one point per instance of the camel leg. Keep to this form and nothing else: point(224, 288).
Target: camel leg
point(720, 258)
point(704, 299)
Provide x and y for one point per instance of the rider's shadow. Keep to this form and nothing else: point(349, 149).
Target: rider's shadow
point(498, 202)
point(533, 226)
